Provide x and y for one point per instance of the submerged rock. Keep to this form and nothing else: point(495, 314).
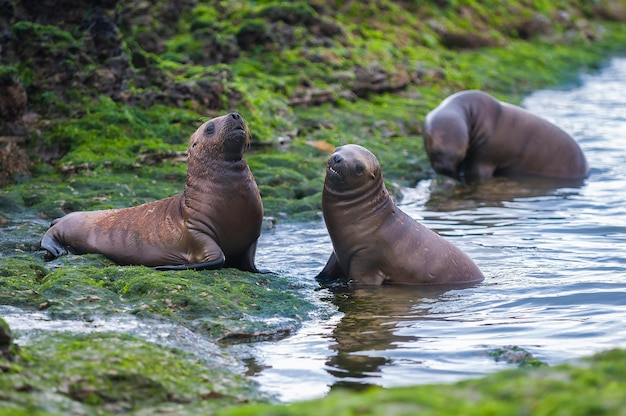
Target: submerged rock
point(513, 354)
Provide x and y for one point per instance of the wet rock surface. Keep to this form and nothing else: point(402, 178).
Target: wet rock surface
point(6, 341)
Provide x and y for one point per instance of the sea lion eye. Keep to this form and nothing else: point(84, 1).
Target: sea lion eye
point(359, 168)
point(210, 129)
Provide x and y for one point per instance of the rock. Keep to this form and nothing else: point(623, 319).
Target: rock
point(66, 14)
point(13, 97)
point(214, 49)
point(14, 162)
point(252, 33)
point(297, 13)
point(375, 79)
point(150, 42)
point(534, 26)
point(614, 10)
point(469, 40)
point(7, 10)
point(104, 39)
point(513, 354)
point(6, 341)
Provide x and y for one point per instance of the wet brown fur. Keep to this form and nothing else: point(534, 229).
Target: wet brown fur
point(472, 136)
point(374, 241)
point(215, 222)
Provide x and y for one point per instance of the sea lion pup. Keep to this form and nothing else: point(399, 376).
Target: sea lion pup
point(374, 241)
point(471, 136)
point(214, 223)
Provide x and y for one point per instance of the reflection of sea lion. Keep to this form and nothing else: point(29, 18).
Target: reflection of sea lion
point(374, 241)
point(215, 222)
point(368, 331)
point(471, 136)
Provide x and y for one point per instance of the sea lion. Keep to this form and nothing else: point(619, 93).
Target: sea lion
point(374, 241)
point(471, 136)
point(214, 223)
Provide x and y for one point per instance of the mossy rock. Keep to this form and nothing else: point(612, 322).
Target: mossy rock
point(593, 385)
point(513, 354)
point(220, 304)
point(294, 13)
point(20, 280)
point(7, 347)
point(109, 373)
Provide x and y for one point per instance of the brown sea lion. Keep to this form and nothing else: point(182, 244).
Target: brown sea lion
point(214, 223)
point(374, 241)
point(471, 136)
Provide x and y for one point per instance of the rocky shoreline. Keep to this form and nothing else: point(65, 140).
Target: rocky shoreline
point(97, 101)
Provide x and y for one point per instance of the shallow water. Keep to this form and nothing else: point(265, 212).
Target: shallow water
point(554, 257)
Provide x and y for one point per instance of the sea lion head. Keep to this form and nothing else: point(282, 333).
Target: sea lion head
point(446, 140)
point(352, 167)
point(227, 136)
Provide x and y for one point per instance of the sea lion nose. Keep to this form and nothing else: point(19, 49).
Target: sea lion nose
point(236, 116)
point(337, 158)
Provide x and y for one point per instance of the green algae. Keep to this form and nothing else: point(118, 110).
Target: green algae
point(113, 134)
point(591, 386)
point(54, 197)
point(223, 304)
point(20, 277)
point(515, 355)
point(109, 373)
point(8, 348)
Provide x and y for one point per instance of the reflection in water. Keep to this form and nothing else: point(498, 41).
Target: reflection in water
point(446, 194)
point(370, 323)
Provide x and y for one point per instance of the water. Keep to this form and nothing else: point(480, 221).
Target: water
point(554, 258)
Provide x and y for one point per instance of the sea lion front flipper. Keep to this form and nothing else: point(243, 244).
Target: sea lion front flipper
point(245, 262)
point(207, 265)
point(332, 271)
point(364, 273)
point(213, 256)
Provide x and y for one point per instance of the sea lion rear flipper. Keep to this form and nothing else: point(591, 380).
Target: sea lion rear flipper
point(53, 247)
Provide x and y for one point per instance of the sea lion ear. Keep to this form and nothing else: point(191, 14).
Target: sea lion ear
point(193, 140)
point(375, 172)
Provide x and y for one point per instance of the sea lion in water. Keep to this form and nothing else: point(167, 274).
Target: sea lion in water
point(214, 223)
point(471, 136)
point(374, 241)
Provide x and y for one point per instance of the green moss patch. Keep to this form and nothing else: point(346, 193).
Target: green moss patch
point(20, 279)
point(223, 305)
point(365, 73)
point(592, 386)
point(108, 373)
